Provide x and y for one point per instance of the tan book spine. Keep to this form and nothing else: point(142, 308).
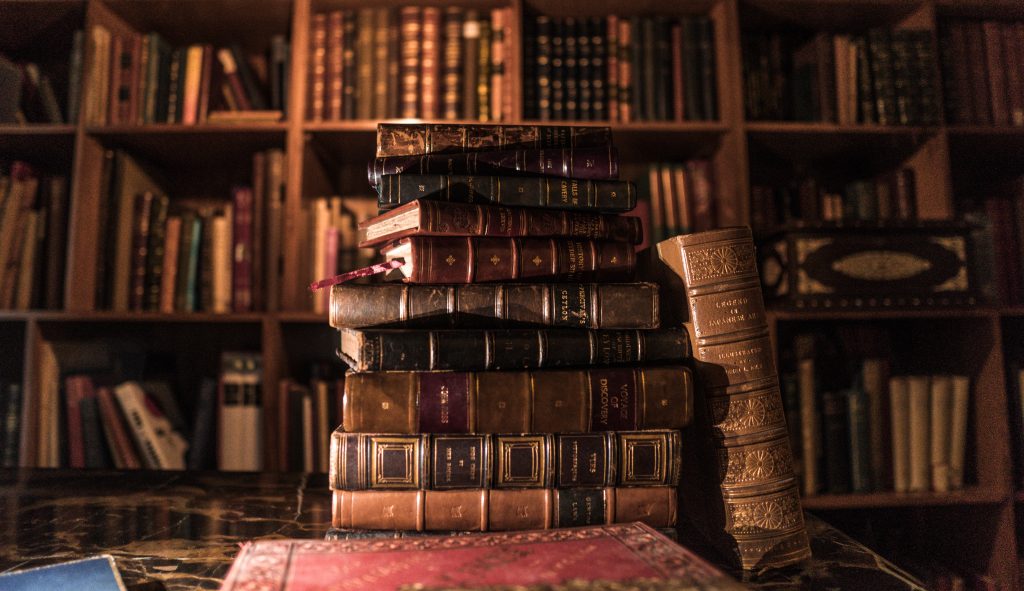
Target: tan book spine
point(738, 485)
point(899, 404)
point(958, 431)
point(919, 413)
point(169, 277)
point(412, 25)
point(381, 56)
point(941, 428)
point(221, 264)
point(555, 401)
point(502, 509)
point(430, 63)
point(27, 265)
point(334, 64)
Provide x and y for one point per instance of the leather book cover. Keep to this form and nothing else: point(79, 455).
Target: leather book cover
point(867, 112)
point(571, 163)
point(430, 63)
point(601, 557)
point(364, 63)
point(677, 57)
point(610, 39)
point(242, 249)
point(598, 68)
point(627, 71)
point(451, 81)
point(122, 450)
point(570, 63)
point(957, 92)
point(584, 71)
point(333, 65)
point(499, 31)
point(206, 84)
point(978, 72)
point(169, 267)
point(738, 485)
point(155, 252)
point(410, 20)
point(880, 56)
point(542, 61)
point(438, 218)
point(1013, 45)
point(538, 191)
point(835, 438)
point(407, 139)
point(261, 230)
point(381, 60)
point(510, 509)
point(140, 248)
point(573, 400)
point(557, 42)
point(371, 461)
point(662, 70)
point(348, 64)
point(56, 240)
point(507, 349)
point(568, 305)
point(471, 65)
point(120, 74)
point(483, 81)
point(439, 259)
point(995, 58)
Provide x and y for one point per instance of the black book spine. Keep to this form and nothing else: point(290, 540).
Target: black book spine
point(836, 440)
point(649, 42)
point(557, 70)
point(637, 99)
point(599, 87)
point(487, 350)
point(881, 60)
point(94, 441)
point(155, 252)
point(928, 91)
point(692, 69)
point(205, 287)
point(542, 28)
point(10, 431)
point(585, 70)
point(571, 71)
point(662, 70)
point(904, 77)
point(612, 196)
point(867, 113)
point(706, 54)
point(531, 108)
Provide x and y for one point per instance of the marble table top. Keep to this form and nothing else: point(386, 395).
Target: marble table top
point(179, 530)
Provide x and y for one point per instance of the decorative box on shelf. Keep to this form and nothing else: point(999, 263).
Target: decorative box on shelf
point(850, 266)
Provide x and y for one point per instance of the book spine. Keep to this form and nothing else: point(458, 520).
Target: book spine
point(575, 163)
point(918, 432)
point(401, 139)
point(496, 68)
point(471, 64)
point(92, 434)
point(317, 67)
point(836, 440)
point(647, 39)
point(76, 389)
point(662, 69)
point(348, 64)
point(155, 252)
point(542, 30)
point(471, 260)
point(995, 58)
point(205, 263)
point(56, 241)
point(360, 461)
point(483, 80)
point(598, 76)
point(509, 349)
point(221, 264)
point(242, 250)
point(114, 427)
point(867, 112)
point(334, 64)
point(557, 41)
point(571, 81)
point(457, 219)
point(175, 74)
point(570, 305)
point(140, 248)
point(677, 57)
point(626, 73)
point(728, 328)
point(978, 73)
point(940, 422)
point(381, 60)
point(556, 401)
point(364, 64)
point(1013, 45)
point(120, 70)
point(451, 83)
point(205, 84)
point(412, 25)
point(259, 237)
point(169, 267)
point(879, 47)
point(956, 87)
point(429, 60)
point(393, 102)
point(928, 108)
point(905, 84)
point(10, 430)
point(503, 509)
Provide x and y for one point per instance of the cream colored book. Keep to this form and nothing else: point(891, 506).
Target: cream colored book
point(958, 431)
point(221, 255)
point(920, 443)
point(939, 421)
point(899, 402)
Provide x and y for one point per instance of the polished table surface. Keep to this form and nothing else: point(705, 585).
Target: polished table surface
point(183, 529)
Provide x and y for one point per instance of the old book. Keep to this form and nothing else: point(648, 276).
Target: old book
point(155, 252)
point(410, 20)
point(956, 90)
point(741, 463)
point(98, 88)
point(348, 65)
point(483, 80)
point(76, 388)
point(875, 379)
point(478, 350)
point(429, 61)
point(996, 72)
point(240, 416)
point(338, 534)
point(366, 461)
point(122, 450)
point(56, 233)
point(503, 509)
point(555, 193)
point(334, 65)
point(233, 87)
point(518, 401)
point(140, 249)
point(1014, 51)
point(858, 418)
point(440, 259)
point(381, 60)
point(541, 32)
point(958, 431)
point(577, 163)
point(451, 81)
point(570, 305)
point(160, 447)
point(977, 73)
point(220, 264)
point(243, 235)
point(364, 63)
point(437, 218)
point(405, 139)
point(630, 555)
point(918, 430)
point(899, 397)
point(940, 421)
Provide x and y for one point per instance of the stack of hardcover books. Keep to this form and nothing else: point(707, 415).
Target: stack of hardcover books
point(515, 378)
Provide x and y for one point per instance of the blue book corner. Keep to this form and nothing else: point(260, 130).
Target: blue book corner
point(97, 573)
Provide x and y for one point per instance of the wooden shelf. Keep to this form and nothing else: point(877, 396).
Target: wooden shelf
point(968, 496)
point(829, 15)
point(107, 316)
point(36, 129)
point(787, 314)
point(870, 146)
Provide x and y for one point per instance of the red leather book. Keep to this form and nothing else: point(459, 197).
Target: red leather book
point(114, 427)
point(615, 554)
point(205, 84)
point(140, 248)
point(76, 388)
point(678, 100)
point(242, 250)
point(438, 259)
point(440, 218)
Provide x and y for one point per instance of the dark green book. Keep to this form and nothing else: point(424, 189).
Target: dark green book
point(188, 262)
point(866, 112)
point(880, 57)
point(205, 278)
point(860, 440)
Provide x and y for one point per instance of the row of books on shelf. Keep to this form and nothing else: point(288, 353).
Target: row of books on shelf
point(140, 78)
point(999, 241)
point(329, 241)
point(650, 68)
point(414, 62)
point(887, 197)
point(32, 93)
point(982, 71)
point(33, 237)
point(163, 254)
point(871, 431)
point(681, 199)
point(885, 77)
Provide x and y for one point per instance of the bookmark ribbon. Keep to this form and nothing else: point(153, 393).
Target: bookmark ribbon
point(364, 272)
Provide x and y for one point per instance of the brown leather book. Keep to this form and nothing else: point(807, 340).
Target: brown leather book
point(317, 67)
point(555, 401)
point(429, 60)
point(140, 248)
point(440, 259)
point(405, 139)
point(382, 22)
point(503, 509)
point(411, 23)
point(334, 65)
point(451, 92)
point(364, 63)
point(995, 58)
point(523, 348)
point(386, 461)
point(738, 485)
point(205, 84)
point(570, 305)
point(439, 218)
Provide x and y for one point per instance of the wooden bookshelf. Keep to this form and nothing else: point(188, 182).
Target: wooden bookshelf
point(315, 152)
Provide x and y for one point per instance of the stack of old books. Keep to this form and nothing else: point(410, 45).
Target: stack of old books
point(516, 378)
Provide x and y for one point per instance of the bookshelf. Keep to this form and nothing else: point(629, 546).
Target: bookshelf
point(978, 527)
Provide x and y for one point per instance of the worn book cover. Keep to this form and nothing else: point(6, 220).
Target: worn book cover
point(606, 557)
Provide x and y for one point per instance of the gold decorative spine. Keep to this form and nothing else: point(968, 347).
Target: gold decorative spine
point(740, 490)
